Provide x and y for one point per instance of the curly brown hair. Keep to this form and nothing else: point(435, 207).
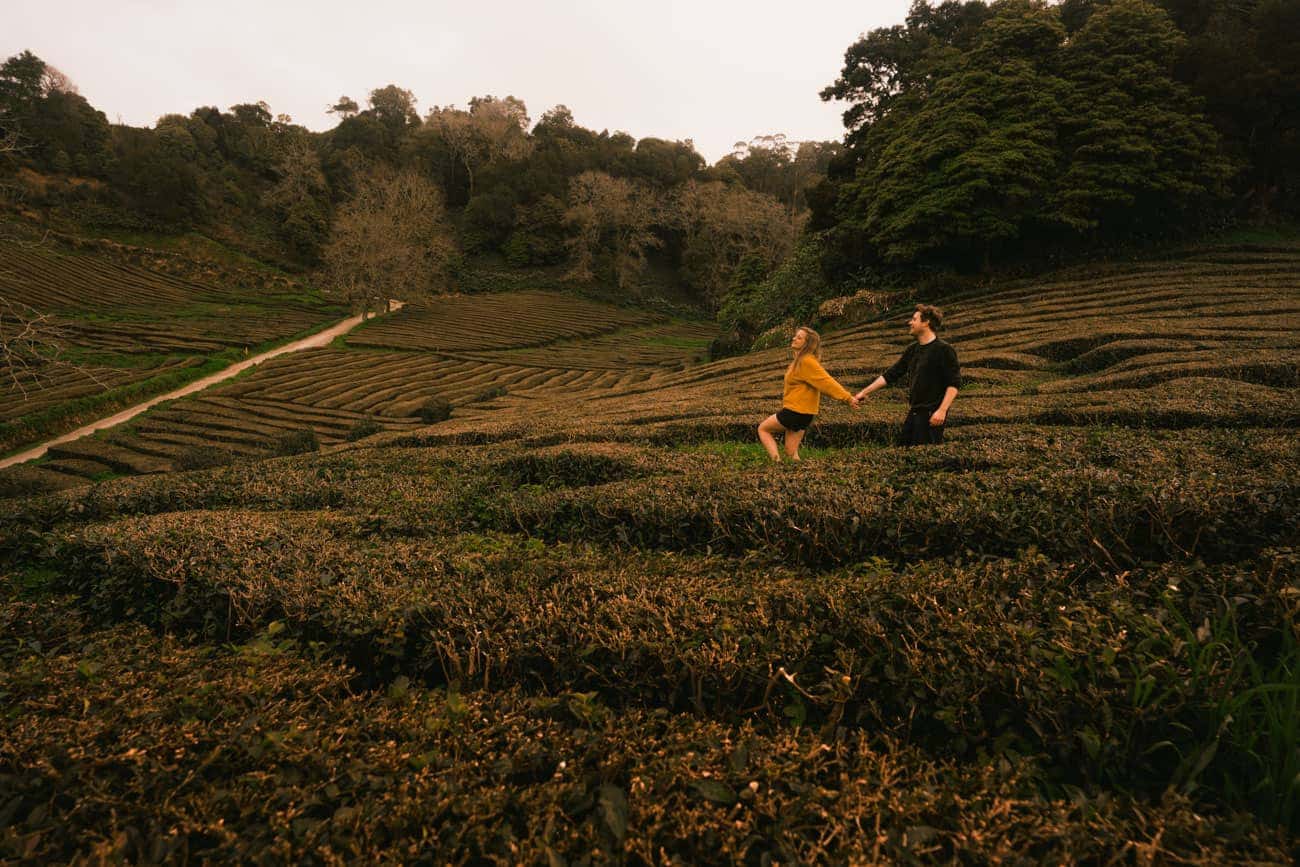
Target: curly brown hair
point(931, 316)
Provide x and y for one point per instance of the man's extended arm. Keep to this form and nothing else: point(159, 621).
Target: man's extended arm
point(875, 386)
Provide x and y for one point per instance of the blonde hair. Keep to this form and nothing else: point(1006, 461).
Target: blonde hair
point(812, 345)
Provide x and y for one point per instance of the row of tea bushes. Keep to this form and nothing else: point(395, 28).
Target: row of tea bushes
point(1116, 504)
point(1110, 678)
point(124, 746)
point(413, 474)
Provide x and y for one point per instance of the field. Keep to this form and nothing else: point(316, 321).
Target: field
point(584, 621)
point(380, 375)
point(135, 324)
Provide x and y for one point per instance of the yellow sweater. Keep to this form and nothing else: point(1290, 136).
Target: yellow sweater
point(804, 386)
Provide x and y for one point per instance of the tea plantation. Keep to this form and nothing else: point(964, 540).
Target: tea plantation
point(584, 620)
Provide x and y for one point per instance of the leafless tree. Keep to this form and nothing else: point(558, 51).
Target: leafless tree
point(612, 219)
point(391, 240)
point(32, 349)
point(32, 345)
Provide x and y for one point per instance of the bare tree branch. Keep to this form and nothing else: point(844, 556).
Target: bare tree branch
point(32, 346)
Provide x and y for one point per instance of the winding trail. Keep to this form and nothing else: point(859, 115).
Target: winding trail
point(314, 341)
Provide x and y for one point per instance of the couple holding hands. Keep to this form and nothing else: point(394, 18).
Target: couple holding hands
point(929, 363)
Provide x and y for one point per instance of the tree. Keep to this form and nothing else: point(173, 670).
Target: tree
point(894, 63)
point(964, 169)
point(394, 107)
point(345, 108)
point(491, 131)
point(665, 163)
point(33, 348)
point(1139, 155)
point(611, 227)
point(538, 237)
point(725, 225)
point(391, 240)
point(157, 175)
point(53, 80)
point(22, 82)
point(300, 197)
point(1240, 59)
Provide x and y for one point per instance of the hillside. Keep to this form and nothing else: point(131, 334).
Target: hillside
point(584, 619)
point(134, 323)
point(469, 350)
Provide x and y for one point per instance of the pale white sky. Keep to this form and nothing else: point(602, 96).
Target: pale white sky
point(715, 71)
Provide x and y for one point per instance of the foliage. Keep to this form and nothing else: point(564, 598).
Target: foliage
point(757, 301)
point(363, 428)
point(1138, 154)
point(391, 240)
point(611, 221)
point(297, 442)
point(978, 132)
point(724, 225)
point(203, 739)
point(434, 410)
point(202, 458)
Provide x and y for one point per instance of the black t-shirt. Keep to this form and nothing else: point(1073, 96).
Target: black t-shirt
point(931, 368)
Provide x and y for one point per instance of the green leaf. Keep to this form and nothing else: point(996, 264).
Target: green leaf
point(612, 804)
point(714, 790)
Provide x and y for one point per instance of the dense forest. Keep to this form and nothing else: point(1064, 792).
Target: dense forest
point(978, 136)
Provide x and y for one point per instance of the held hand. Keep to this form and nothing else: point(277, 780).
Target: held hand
point(938, 418)
point(855, 401)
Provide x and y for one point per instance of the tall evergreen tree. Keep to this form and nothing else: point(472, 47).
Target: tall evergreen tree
point(1139, 155)
point(969, 166)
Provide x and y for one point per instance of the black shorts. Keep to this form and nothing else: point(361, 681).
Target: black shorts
point(917, 430)
point(796, 421)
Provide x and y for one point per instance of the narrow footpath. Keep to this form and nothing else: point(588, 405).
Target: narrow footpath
point(322, 338)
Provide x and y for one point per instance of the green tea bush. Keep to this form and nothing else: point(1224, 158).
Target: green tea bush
point(363, 428)
point(434, 410)
point(1093, 673)
point(202, 458)
point(296, 443)
point(126, 745)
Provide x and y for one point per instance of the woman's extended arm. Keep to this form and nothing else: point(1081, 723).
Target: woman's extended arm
point(816, 376)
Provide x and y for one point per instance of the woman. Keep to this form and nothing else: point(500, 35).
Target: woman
point(805, 382)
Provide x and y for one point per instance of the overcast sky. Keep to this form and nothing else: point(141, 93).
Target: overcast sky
point(714, 71)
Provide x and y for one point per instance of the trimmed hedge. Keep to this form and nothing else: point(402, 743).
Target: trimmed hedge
point(122, 745)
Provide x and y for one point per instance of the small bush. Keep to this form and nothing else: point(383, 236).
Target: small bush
point(364, 428)
point(296, 443)
point(491, 394)
point(203, 458)
point(434, 410)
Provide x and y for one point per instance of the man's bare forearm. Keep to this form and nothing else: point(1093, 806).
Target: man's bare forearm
point(875, 386)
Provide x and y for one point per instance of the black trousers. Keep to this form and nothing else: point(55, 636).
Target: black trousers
point(917, 430)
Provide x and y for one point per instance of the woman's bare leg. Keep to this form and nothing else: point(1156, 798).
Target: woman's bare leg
point(792, 440)
point(767, 431)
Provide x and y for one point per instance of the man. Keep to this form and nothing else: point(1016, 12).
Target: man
point(931, 366)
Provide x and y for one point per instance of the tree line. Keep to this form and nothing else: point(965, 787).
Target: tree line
point(978, 136)
point(982, 138)
point(392, 200)
point(978, 133)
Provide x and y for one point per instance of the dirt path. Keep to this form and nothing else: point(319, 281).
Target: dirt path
point(319, 339)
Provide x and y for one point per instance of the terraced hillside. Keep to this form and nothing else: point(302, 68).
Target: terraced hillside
point(507, 320)
point(561, 345)
point(132, 331)
point(596, 626)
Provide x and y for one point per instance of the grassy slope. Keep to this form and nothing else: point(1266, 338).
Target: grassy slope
point(539, 631)
point(219, 308)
